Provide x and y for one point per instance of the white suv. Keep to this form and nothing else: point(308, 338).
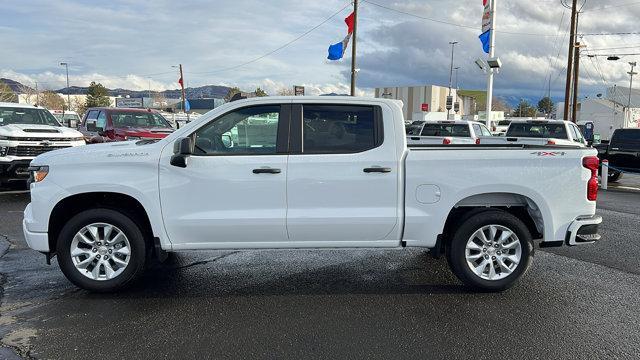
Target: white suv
point(27, 131)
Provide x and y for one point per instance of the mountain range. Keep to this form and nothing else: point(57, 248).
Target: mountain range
point(207, 91)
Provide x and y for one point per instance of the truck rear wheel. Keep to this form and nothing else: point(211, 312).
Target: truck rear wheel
point(101, 250)
point(490, 250)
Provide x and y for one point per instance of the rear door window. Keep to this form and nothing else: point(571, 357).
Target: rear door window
point(329, 129)
point(453, 130)
point(538, 130)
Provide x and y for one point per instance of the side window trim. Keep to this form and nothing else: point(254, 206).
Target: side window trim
point(296, 134)
point(282, 134)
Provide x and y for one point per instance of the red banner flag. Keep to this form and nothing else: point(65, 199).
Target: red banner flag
point(180, 82)
point(349, 20)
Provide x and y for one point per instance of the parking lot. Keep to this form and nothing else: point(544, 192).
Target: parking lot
point(573, 303)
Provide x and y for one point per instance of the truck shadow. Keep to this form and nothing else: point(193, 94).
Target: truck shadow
point(252, 273)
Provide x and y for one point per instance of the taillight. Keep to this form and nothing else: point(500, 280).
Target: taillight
point(551, 142)
point(493, 128)
point(478, 141)
point(592, 163)
point(446, 141)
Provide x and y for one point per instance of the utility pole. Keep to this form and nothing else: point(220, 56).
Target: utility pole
point(353, 48)
point(66, 65)
point(633, 64)
point(572, 40)
point(453, 45)
point(492, 44)
point(576, 76)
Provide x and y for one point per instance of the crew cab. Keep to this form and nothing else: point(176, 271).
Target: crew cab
point(622, 152)
point(448, 132)
point(25, 132)
point(307, 173)
point(540, 132)
point(122, 124)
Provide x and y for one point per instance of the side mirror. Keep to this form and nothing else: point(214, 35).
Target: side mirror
point(181, 152)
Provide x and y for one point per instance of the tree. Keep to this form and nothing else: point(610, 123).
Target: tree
point(260, 93)
point(97, 95)
point(159, 100)
point(546, 105)
point(78, 105)
point(234, 90)
point(497, 104)
point(286, 92)
point(52, 101)
point(29, 94)
point(6, 94)
point(524, 109)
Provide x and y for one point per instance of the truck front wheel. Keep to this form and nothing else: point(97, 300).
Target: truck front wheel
point(101, 250)
point(490, 250)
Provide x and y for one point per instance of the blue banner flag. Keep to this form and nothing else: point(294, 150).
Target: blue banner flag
point(187, 106)
point(485, 38)
point(336, 51)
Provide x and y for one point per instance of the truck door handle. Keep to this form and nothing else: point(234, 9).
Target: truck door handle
point(377, 170)
point(266, 171)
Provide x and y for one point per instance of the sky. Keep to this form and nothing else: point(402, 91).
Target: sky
point(133, 44)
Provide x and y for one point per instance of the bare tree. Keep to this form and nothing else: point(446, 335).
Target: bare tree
point(6, 94)
point(160, 99)
point(29, 94)
point(52, 101)
point(78, 105)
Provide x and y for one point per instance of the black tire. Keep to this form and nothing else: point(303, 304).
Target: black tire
point(456, 251)
point(614, 176)
point(133, 233)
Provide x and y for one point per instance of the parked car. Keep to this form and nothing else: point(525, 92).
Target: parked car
point(499, 128)
point(449, 132)
point(623, 153)
point(25, 132)
point(122, 124)
point(307, 172)
point(540, 132)
point(66, 118)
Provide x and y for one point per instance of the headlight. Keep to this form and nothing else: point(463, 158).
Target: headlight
point(38, 173)
point(3, 150)
point(4, 137)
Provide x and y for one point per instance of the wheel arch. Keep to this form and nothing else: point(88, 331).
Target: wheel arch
point(76, 203)
point(521, 206)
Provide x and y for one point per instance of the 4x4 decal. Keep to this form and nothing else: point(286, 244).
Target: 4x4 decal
point(549, 153)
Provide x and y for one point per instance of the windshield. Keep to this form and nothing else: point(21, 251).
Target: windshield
point(11, 115)
point(454, 130)
point(557, 131)
point(138, 119)
point(67, 117)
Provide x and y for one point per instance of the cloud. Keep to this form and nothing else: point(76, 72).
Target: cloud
point(122, 43)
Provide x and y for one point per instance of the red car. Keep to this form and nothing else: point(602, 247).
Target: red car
point(122, 124)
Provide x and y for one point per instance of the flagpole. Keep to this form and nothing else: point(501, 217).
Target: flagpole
point(492, 41)
point(353, 48)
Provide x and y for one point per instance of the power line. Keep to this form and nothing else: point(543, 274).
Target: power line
point(612, 6)
point(611, 34)
point(617, 48)
point(272, 51)
point(548, 76)
point(475, 27)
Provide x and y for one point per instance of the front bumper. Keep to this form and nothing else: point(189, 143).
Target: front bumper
point(38, 241)
point(583, 230)
point(14, 170)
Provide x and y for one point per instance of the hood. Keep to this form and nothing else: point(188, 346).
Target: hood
point(110, 150)
point(155, 132)
point(38, 131)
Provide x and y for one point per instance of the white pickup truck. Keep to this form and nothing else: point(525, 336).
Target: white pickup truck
point(447, 132)
point(25, 132)
point(540, 132)
point(301, 173)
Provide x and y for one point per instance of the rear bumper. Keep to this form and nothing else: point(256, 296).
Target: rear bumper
point(583, 230)
point(14, 170)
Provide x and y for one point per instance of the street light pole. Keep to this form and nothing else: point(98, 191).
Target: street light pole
point(66, 65)
point(453, 45)
point(456, 69)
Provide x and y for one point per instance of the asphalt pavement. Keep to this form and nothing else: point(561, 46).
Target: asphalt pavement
point(574, 303)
